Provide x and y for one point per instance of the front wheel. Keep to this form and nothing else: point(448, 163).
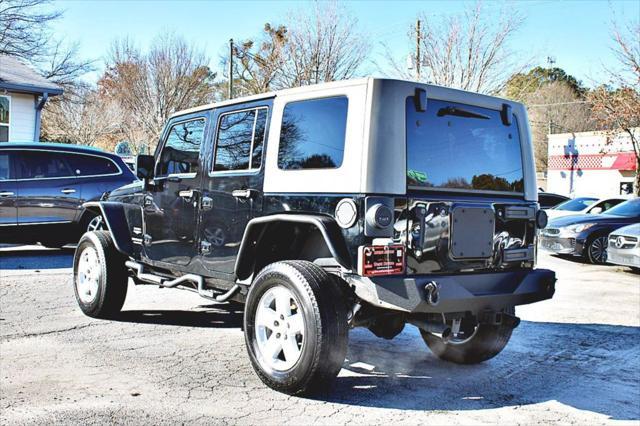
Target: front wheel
point(99, 275)
point(597, 250)
point(295, 326)
point(476, 343)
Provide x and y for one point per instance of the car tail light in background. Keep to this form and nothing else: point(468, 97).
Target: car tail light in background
point(381, 260)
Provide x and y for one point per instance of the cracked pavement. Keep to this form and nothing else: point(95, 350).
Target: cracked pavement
point(173, 357)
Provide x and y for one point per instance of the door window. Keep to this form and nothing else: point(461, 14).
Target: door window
point(182, 148)
point(240, 140)
point(42, 164)
point(91, 165)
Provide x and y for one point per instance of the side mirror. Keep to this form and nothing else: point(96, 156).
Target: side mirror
point(144, 166)
point(596, 210)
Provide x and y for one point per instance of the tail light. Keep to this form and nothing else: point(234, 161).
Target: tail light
point(380, 260)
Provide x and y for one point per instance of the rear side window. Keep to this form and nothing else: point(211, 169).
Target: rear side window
point(313, 133)
point(42, 164)
point(5, 166)
point(240, 140)
point(91, 165)
point(182, 148)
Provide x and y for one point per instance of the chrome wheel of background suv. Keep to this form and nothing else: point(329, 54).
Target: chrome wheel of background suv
point(96, 224)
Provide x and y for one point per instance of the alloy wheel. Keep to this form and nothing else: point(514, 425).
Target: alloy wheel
point(279, 328)
point(88, 277)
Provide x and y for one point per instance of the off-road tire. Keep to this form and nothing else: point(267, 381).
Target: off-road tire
point(590, 249)
point(487, 342)
point(326, 331)
point(113, 277)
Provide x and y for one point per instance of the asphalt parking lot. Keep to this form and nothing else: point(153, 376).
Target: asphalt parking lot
point(173, 357)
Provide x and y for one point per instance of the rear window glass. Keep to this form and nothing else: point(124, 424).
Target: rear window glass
point(457, 146)
point(90, 165)
point(4, 167)
point(313, 133)
point(576, 205)
point(38, 165)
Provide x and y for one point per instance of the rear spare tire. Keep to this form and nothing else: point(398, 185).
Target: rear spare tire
point(484, 342)
point(295, 327)
point(99, 275)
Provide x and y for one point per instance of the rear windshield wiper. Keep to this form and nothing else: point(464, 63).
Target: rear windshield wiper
point(459, 112)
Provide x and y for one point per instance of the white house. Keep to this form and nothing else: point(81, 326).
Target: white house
point(585, 164)
point(23, 93)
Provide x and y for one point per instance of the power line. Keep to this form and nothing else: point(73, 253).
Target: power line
point(558, 103)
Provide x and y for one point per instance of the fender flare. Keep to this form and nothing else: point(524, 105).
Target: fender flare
point(116, 221)
point(257, 227)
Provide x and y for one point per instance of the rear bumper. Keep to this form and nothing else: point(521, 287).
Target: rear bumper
point(458, 293)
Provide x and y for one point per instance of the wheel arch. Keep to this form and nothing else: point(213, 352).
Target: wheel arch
point(266, 239)
point(115, 221)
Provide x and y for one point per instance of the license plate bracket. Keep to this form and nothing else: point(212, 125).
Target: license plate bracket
point(472, 231)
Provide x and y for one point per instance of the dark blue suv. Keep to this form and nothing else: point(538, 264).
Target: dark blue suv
point(43, 187)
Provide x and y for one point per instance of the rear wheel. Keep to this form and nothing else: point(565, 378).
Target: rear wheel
point(295, 326)
point(99, 275)
point(475, 344)
point(597, 250)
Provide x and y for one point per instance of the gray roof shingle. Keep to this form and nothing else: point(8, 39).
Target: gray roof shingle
point(17, 76)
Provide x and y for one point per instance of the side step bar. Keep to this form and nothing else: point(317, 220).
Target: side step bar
point(167, 283)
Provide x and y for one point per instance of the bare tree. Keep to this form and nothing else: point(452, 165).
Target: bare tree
point(318, 46)
point(323, 45)
point(616, 108)
point(260, 63)
point(84, 118)
point(468, 51)
point(555, 107)
point(149, 87)
point(25, 33)
point(24, 27)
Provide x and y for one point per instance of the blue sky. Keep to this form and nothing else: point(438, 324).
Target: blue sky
point(575, 33)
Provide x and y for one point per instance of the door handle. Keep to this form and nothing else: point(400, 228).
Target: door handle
point(241, 193)
point(68, 191)
point(7, 194)
point(187, 194)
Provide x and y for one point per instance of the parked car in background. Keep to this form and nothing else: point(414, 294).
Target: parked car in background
point(584, 205)
point(548, 200)
point(587, 235)
point(624, 246)
point(43, 187)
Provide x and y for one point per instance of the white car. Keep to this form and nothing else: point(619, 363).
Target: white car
point(583, 205)
point(624, 246)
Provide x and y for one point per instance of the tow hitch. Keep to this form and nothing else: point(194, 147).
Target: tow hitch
point(498, 318)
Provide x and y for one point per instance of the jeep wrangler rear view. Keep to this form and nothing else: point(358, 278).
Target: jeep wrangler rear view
point(365, 203)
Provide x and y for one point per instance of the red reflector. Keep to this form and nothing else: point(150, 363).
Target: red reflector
point(381, 260)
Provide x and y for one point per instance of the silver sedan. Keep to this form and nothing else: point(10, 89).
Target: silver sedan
point(624, 246)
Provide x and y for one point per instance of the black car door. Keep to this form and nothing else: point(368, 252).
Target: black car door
point(48, 190)
point(8, 191)
point(170, 204)
point(232, 188)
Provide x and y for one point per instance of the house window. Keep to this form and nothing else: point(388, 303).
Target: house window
point(5, 104)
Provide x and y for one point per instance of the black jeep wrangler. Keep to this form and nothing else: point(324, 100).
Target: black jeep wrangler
point(370, 203)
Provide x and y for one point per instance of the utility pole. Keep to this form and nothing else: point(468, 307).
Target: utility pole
point(230, 68)
point(418, 49)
